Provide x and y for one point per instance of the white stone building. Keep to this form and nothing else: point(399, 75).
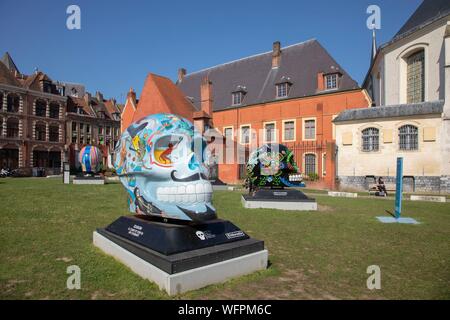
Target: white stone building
point(409, 83)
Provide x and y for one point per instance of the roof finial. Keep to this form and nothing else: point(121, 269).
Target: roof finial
point(374, 45)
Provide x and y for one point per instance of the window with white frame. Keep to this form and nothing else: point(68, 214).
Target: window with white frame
point(310, 129)
point(408, 137)
point(310, 163)
point(269, 132)
point(245, 134)
point(324, 164)
point(228, 133)
point(236, 98)
point(289, 130)
point(282, 90)
point(331, 81)
point(370, 139)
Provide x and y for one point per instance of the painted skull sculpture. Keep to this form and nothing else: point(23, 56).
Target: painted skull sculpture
point(159, 160)
point(273, 165)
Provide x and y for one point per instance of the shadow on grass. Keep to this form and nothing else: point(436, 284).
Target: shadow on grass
point(390, 212)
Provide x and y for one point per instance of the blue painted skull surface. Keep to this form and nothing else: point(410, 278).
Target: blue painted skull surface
point(159, 160)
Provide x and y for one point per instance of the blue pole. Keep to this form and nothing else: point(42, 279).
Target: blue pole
point(399, 188)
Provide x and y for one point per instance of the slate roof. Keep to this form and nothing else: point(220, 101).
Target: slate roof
point(7, 77)
point(300, 62)
point(9, 63)
point(428, 12)
point(400, 110)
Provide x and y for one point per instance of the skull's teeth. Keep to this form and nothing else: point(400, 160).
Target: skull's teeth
point(192, 193)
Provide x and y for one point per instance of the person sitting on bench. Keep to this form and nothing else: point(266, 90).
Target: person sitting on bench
point(381, 186)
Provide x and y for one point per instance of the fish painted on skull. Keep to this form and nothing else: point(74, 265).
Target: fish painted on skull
point(158, 163)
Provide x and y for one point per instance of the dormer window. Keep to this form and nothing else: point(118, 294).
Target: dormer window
point(238, 95)
point(331, 81)
point(282, 88)
point(236, 98)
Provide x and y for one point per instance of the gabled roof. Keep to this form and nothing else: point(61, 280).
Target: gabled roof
point(428, 12)
point(300, 62)
point(73, 102)
point(6, 77)
point(112, 107)
point(9, 63)
point(400, 110)
point(159, 95)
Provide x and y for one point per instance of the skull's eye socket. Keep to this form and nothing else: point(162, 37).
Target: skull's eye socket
point(169, 150)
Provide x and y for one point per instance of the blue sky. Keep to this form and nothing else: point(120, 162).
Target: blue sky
point(121, 41)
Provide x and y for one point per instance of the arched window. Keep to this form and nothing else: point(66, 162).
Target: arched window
point(408, 137)
point(12, 103)
point(40, 131)
point(370, 139)
point(12, 128)
point(310, 163)
point(415, 77)
point(54, 110)
point(53, 133)
point(40, 108)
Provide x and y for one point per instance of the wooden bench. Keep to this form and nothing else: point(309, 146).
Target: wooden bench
point(390, 188)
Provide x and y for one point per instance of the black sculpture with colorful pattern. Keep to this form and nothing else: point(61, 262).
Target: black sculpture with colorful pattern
point(273, 165)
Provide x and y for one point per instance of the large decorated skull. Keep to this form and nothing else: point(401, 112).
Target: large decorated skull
point(159, 160)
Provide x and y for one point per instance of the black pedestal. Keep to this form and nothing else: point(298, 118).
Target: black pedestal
point(175, 248)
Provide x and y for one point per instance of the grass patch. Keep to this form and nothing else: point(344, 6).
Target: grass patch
point(47, 226)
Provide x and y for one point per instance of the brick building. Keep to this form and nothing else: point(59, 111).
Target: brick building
point(37, 112)
point(91, 120)
point(288, 95)
point(32, 115)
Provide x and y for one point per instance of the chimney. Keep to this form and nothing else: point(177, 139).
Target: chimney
point(181, 74)
point(276, 54)
point(87, 97)
point(320, 82)
point(206, 98)
point(131, 95)
point(99, 96)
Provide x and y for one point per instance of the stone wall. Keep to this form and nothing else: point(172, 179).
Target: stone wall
point(426, 184)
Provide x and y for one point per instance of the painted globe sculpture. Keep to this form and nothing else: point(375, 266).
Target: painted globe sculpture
point(273, 165)
point(160, 162)
point(90, 158)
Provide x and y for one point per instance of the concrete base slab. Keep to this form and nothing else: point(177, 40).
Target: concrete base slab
point(427, 198)
point(280, 205)
point(343, 194)
point(88, 181)
point(187, 280)
point(399, 220)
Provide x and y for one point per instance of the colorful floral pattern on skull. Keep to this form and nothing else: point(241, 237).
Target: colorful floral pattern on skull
point(159, 160)
point(271, 165)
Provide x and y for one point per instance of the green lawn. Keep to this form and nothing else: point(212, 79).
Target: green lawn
point(47, 226)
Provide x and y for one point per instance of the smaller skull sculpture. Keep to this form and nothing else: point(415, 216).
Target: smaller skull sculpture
point(90, 159)
point(272, 165)
point(159, 160)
